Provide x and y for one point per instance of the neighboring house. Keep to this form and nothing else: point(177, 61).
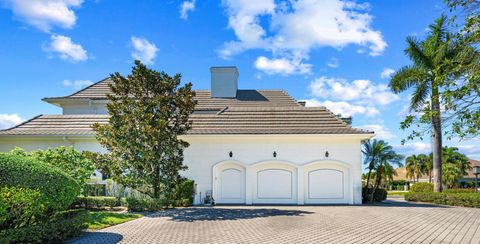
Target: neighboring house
point(246, 146)
point(468, 178)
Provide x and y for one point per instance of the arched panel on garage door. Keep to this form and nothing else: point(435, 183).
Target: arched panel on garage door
point(274, 183)
point(229, 180)
point(327, 182)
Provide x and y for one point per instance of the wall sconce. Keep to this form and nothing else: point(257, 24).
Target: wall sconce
point(327, 154)
point(274, 154)
point(230, 154)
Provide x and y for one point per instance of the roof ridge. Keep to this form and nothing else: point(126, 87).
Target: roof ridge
point(87, 87)
point(26, 121)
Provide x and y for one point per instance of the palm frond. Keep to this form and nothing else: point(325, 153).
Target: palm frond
point(420, 96)
point(415, 51)
point(407, 77)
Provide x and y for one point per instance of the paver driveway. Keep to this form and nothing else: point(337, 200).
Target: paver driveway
point(391, 222)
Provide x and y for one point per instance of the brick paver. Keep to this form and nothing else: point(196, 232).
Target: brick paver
point(395, 221)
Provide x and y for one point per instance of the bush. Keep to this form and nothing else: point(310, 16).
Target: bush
point(97, 202)
point(453, 199)
point(61, 226)
point(459, 190)
point(57, 189)
point(184, 193)
point(19, 207)
point(380, 194)
point(145, 204)
point(422, 187)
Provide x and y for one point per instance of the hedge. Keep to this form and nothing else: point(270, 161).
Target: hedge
point(60, 227)
point(380, 194)
point(422, 187)
point(453, 199)
point(57, 189)
point(97, 202)
point(20, 207)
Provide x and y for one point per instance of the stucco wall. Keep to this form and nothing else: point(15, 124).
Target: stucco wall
point(207, 151)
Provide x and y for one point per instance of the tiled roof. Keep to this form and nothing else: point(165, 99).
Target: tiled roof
point(245, 98)
point(246, 120)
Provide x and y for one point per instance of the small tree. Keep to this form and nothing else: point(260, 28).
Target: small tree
point(148, 112)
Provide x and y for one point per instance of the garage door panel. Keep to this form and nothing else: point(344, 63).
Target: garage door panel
point(326, 184)
point(231, 186)
point(274, 184)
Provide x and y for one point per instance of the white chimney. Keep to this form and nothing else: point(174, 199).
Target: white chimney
point(224, 81)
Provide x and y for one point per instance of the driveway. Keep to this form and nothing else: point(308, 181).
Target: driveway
point(395, 221)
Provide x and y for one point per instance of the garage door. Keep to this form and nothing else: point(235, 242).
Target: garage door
point(231, 186)
point(276, 185)
point(326, 185)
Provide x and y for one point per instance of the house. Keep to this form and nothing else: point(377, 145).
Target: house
point(246, 146)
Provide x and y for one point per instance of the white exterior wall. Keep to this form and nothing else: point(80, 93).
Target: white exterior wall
point(297, 153)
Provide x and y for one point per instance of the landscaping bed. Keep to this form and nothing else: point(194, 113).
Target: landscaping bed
point(445, 198)
point(101, 219)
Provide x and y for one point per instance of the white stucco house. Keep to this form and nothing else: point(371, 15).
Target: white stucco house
point(246, 146)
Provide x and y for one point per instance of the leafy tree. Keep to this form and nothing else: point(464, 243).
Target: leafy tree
point(414, 167)
point(427, 163)
point(380, 157)
point(433, 65)
point(451, 155)
point(451, 175)
point(69, 160)
point(148, 112)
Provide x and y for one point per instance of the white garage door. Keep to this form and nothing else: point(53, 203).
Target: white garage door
point(231, 186)
point(326, 186)
point(275, 186)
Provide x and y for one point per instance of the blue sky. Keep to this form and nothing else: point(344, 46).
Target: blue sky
point(328, 52)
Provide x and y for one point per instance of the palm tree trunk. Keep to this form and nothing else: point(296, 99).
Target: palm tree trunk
point(377, 182)
point(370, 168)
point(436, 140)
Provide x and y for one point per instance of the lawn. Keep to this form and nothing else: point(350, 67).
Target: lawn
point(397, 193)
point(101, 219)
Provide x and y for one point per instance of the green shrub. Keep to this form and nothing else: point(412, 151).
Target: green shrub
point(422, 187)
point(57, 189)
point(380, 194)
point(60, 227)
point(459, 190)
point(19, 207)
point(97, 202)
point(453, 199)
point(184, 193)
point(145, 204)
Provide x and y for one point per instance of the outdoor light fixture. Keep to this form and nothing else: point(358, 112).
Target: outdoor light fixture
point(327, 154)
point(476, 172)
point(274, 154)
point(230, 154)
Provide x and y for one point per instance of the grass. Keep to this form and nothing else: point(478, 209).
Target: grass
point(102, 219)
point(397, 193)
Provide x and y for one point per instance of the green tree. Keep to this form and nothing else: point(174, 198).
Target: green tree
point(414, 166)
point(148, 111)
point(432, 67)
point(380, 157)
point(427, 163)
point(451, 155)
point(68, 159)
point(451, 175)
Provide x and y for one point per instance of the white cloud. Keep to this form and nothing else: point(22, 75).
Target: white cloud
point(381, 132)
point(77, 84)
point(414, 148)
point(324, 23)
point(66, 49)
point(9, 120)
point(44, 14)
point(343, 108)
point(360, 91)
point(187, 6)
point(333, 63)
point(143, 50)
point(282, 66)
point(386, 73)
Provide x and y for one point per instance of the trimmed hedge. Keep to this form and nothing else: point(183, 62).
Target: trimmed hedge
point(453, 199)
point(19, 207)
point(97, 202)
point(459, 190)
point(145, 204)
point(379, 196)
point(60, 227)
point(422, 187)
point(58, 190)
point(184, 193)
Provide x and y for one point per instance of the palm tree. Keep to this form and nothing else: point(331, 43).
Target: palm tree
point(414, 167)
point(430, 69)
point(427, 164)
point(451, 155)
point(380, 157)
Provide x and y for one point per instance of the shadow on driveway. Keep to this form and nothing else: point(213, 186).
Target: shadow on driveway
point(219, 214)
point(398, 202)
point(97, 237)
